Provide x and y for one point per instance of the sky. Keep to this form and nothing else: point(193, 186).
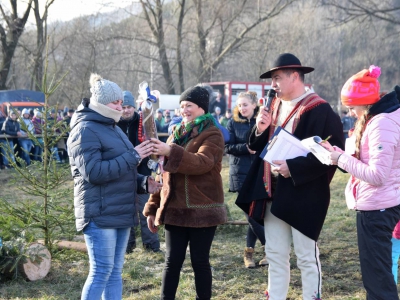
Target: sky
point(65, 10)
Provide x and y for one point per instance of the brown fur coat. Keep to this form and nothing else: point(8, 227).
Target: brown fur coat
point(192, 193)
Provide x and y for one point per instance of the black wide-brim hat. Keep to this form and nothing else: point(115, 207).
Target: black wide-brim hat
point(287, 61)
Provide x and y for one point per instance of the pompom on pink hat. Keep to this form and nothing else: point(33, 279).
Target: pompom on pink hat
point(362, 88)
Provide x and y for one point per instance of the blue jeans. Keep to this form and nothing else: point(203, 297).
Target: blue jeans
point(4, 151)
point(56, 156)
point(26, 147)
point(106, 249)
point(38, 150)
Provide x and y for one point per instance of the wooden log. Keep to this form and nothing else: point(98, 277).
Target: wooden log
point(40, 267)
point(78, 246)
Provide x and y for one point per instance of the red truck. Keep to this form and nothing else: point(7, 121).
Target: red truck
point(231, 89)
point(20, 99)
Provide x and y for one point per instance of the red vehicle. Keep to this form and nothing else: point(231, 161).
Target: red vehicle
point(20, 99)
point(231, 89)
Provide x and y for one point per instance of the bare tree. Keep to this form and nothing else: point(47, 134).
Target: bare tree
point(9, 37)
point(233, 29)
point(385, 10)
point(154, 16)
point(41, 37)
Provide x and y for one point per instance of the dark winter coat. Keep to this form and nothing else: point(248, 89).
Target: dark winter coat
point(131, 128)
point(103, 165)
point(11, 127)
point(240, 159)
point(301, 200)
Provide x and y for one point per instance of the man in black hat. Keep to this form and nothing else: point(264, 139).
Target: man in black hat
point(295, 192)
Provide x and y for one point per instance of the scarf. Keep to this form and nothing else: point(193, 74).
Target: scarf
point(105, 111)
point(182, 132)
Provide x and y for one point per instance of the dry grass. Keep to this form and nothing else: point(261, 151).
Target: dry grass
point(142, 271)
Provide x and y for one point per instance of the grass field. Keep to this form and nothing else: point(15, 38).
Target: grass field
point(142, 270)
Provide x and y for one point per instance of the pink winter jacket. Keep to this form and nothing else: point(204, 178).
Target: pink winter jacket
point(378, 169)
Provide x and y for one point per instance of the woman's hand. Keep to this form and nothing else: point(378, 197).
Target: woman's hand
point(334, 154)
point(153, 186)
point(335, 157)
point(150, 223)
point(144, 149)
point(160, 148)
point(327, 146)
point(263, 120)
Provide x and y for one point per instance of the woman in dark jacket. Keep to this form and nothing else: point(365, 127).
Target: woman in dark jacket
point(103, 165)
point(240, 160)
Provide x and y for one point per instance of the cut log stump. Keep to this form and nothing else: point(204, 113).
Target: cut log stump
point(40, 267)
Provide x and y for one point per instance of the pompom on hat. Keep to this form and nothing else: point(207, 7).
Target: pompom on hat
point(104, 91)
point(362, 88)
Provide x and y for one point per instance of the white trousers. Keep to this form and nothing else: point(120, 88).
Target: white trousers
point(278, 240)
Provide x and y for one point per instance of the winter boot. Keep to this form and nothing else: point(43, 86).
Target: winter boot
point(264, 261)
point(248, 257)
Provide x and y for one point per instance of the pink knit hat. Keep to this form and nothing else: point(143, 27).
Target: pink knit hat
point(362, 88)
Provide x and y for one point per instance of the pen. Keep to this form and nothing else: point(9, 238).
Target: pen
point(326, 139)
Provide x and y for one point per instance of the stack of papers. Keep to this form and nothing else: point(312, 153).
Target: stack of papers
point(283, 145)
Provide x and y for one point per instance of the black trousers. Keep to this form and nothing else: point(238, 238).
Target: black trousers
point(374, 231)
point(177, 239)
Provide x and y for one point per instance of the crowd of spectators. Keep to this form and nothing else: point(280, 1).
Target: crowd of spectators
point(21, 135)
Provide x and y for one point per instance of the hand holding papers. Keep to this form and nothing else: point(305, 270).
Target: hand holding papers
point(284, 145)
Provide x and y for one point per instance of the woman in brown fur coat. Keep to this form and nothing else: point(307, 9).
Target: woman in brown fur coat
point(191, 202)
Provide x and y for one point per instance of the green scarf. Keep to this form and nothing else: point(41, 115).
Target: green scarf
point(182, 131)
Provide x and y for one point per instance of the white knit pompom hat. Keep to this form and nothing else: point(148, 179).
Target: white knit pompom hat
point(104, 91)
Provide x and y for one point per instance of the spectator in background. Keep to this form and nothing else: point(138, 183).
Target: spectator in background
point(177, 112)
point(159, 119)
point(217, 113)
point(52, 120)
point(10, 127)
point(38, 124)
point(219, 101)
point(240, 160)
point(26, 144)
point(129, 124)
point(67, 118)
point(228, 115)
point(167, 113)
point(68, 113)
point(348, 123)
point(167, 120)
